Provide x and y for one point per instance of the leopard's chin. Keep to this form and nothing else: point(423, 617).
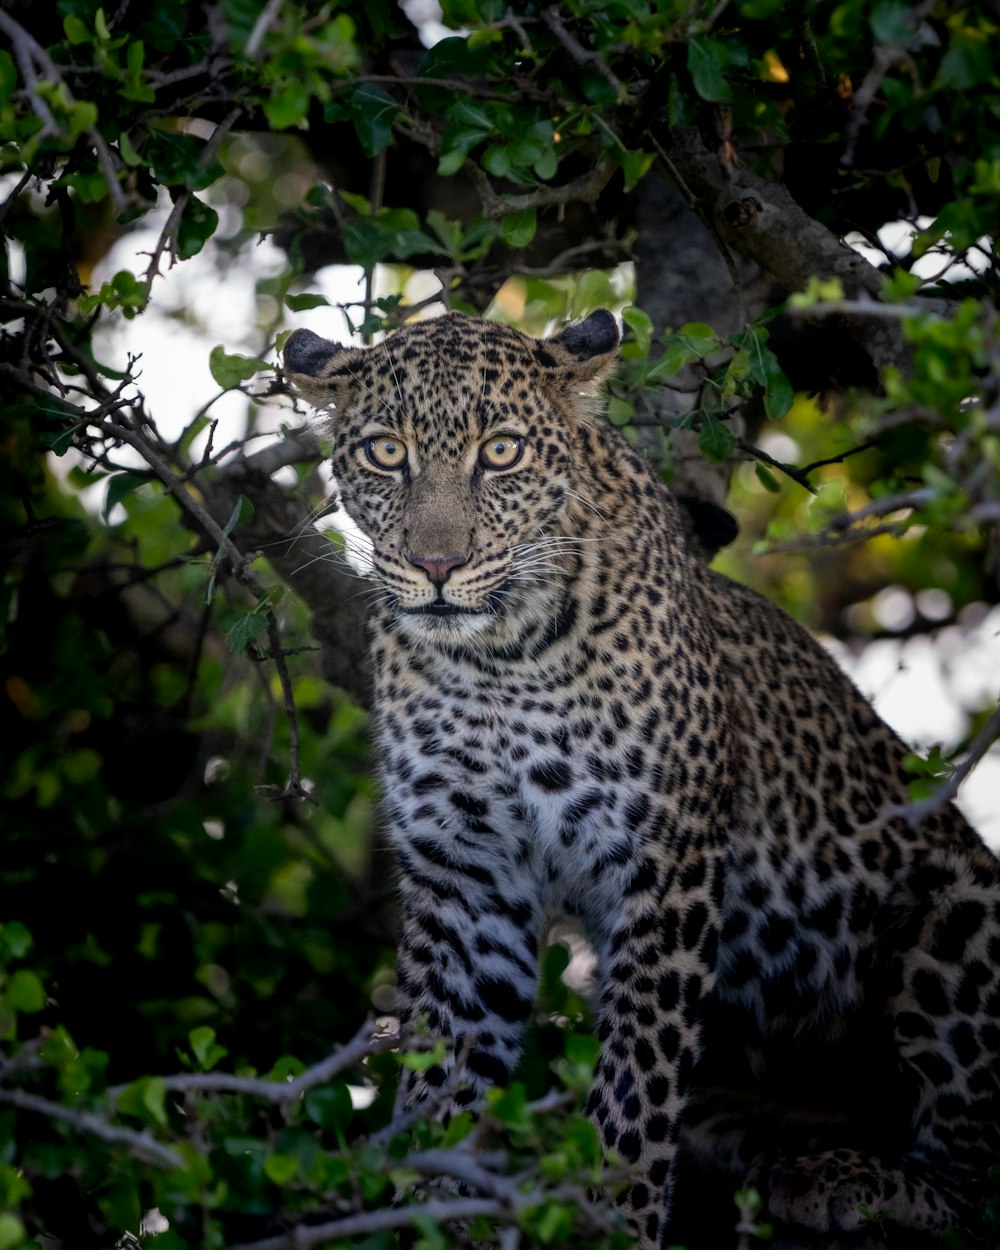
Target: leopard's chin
point(440, 623)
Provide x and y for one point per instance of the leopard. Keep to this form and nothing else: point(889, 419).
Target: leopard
point(575, 715)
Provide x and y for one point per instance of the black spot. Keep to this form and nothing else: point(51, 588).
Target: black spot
point(644, 1055)
point(658, 1090)
point(552, 775)
point(502, 998)
point(929, 992)
point(669, 1041)
point(935, 1067)
point(694, 923)
point(644, 878)
point(468, 803)
point(630, 1147)
point(963, 1039)
point(669, 990)
point(826, 919)
point(657, 1128)
point(636, 811)
point(963, 921)
point(776, 933)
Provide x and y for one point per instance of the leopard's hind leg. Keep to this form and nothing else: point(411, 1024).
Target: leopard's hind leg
point(944, 1004)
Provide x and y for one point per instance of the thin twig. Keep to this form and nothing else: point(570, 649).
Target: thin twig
point(887, 56)
point(294, 788)
point(583, 56)
point(365, 1223)
point(139, 1143)
point(797, 475)
point(169, 231)
point(266, 16)
point(283, 1093)
point(914, 813)
point(29, 54)
point(583, 190)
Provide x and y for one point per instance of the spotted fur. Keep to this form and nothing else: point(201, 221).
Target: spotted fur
point(575, 715)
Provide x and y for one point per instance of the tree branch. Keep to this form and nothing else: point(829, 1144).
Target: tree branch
point(762, 221)
point(914, 813)
point(283, 1093)
point(442, 1210)
point(141, 1144)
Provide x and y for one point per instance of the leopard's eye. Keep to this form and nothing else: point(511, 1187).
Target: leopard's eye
point(502, 451)
point(386, 452)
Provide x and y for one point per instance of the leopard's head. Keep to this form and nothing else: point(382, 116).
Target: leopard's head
point(453, 450)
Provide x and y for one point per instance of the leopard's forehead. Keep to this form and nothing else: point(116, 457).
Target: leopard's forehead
point(450, 377)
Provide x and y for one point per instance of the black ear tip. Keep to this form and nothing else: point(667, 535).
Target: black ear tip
point(306, 352)
point(593, 336)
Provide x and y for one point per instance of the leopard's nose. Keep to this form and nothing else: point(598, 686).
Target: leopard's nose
point(438, 568)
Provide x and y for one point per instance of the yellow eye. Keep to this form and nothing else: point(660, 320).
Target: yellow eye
point(502, 451)
point(386, 452)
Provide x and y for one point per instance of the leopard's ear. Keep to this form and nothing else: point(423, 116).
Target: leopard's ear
point(585, 352)
point(320, 370)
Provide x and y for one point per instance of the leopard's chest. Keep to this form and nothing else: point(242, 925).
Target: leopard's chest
point(526, 783)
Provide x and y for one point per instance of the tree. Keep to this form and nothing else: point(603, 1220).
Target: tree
point(189, 863)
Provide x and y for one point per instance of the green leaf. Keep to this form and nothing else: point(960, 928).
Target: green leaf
point(519, 228)
point(765, 370)
point(373, 110)
point(242, 511)
point(509, 1106)
point(205, 1048)
point(330, 1107)
point(391, 233)
point(76, 31)
point(196, 226)
point(288, 104)
point(145, 1099)
point(778, 393)
point(620, 411)
point(767, 478)
point(496, 160)
point(892, 21)
point(700, 337)
point(456, 144)
point(15, 941)
point(176, 160)
point(230, 369)
point(716, 440)
point(692, 342)
point(12, 1231)
point(705, 59)
point(241, 629)
point(471, 115)
point(281, 1168)
point(302, 303)
point(634, 166)
point(24, 992)
point(120, 486)
point(641, 326)
point(8, 77)
point(129, 155)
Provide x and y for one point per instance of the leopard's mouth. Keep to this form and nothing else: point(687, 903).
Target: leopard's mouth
point(440, 608)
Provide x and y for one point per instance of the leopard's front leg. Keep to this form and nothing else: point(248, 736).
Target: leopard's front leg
point(467, 968)
point(656, 971)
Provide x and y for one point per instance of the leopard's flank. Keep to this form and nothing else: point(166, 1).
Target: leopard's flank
point(574, 714)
